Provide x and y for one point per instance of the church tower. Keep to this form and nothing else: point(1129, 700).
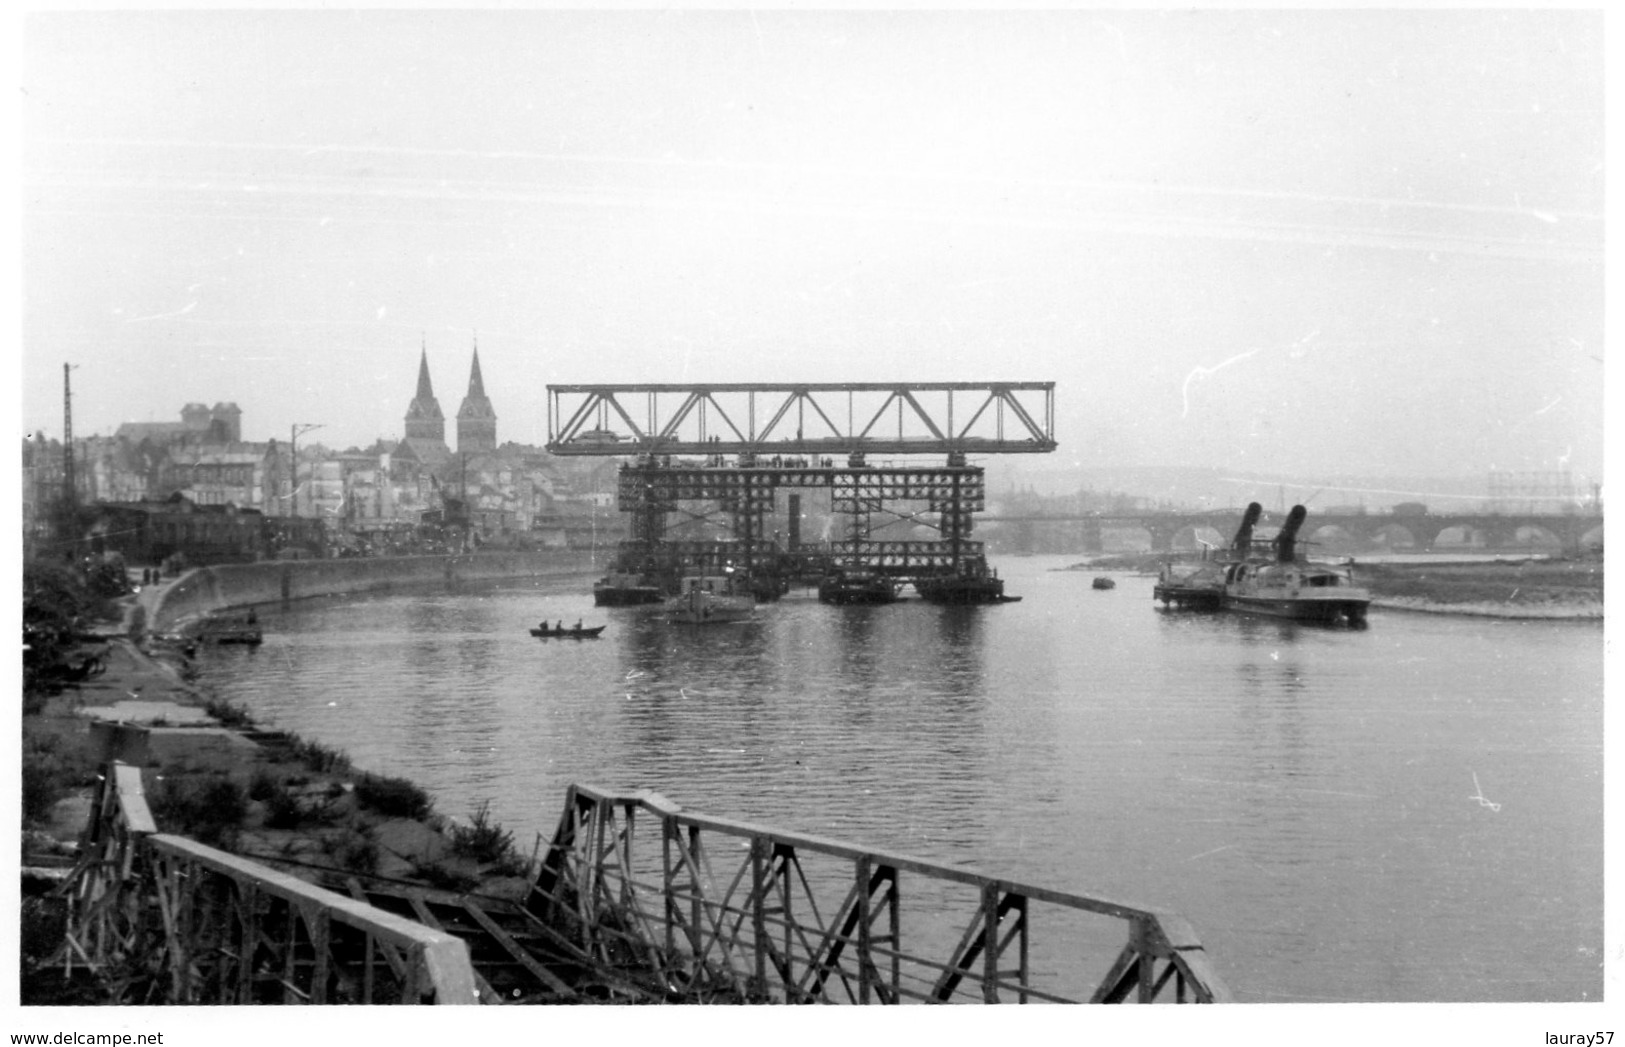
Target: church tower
point(476, 419)
point(425, 440)
point(423, 418)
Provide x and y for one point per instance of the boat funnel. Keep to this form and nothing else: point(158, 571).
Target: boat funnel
point(1244, 534)
point(1286, 541)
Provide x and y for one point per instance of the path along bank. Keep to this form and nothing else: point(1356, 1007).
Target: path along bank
point(210, 773)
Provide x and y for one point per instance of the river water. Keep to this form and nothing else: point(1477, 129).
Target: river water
point(1409, 812)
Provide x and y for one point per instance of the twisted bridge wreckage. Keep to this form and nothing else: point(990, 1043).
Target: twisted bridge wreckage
point(637, 900)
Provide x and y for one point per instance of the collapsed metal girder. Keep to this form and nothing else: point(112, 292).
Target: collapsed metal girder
point(176, 922)
point(708, 908)
point(846, 418)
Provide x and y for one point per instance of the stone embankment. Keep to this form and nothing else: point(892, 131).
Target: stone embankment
point(207, 590)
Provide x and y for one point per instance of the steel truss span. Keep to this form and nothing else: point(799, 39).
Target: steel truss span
point(167, 920)
point(848, 418)
point(694, 906)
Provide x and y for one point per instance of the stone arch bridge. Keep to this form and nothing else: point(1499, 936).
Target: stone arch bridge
point(1572, 533)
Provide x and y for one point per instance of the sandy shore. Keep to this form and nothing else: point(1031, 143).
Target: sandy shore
point(1561, 612)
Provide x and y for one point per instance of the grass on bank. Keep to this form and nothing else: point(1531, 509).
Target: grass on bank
point(1522, 583)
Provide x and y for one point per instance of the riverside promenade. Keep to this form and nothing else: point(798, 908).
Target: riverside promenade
point(209, 590)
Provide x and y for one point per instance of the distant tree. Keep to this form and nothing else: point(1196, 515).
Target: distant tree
point(57, 600)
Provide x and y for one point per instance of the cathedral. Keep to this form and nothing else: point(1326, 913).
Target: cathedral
point(476, 419)
point(425, 439)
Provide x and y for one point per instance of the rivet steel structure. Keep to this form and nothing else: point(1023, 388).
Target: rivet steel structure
point(736, 445)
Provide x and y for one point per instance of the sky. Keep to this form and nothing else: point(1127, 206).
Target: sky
point(1337, 242)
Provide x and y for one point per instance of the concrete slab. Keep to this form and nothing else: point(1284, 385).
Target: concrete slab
point(136, 711)
point(411, 840)
point(202, 748)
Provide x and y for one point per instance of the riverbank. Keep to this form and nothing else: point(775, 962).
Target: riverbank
point(1501, 588)
point(210, 773)
point(209, 590)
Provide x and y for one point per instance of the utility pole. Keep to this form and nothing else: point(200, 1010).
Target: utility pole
point(70, 488)
point(293, 465)
point(69, 516)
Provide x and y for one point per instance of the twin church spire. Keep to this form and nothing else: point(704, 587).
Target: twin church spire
point(476, 418)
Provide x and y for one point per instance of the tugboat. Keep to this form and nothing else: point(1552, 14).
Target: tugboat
point(857, 584)
point(1291, 588)
point(708, 599)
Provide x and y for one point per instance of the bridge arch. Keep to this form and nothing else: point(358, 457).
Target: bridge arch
point(1396, 537)
point(1333, 540)
point(1537, 538)
point(1459, 536)
point(1195, 537)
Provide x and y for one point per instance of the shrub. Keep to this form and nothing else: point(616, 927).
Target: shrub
point(358, 852)
point(319, 758)
point(392, 797)
point(482, 840)
point(209, 810)
point(282, 811)
point(49, 774)
point(263, 786)
point(227, 714)
point(43, 785)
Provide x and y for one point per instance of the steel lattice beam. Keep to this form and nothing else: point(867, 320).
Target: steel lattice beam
point(743, 919)
point(845, 418)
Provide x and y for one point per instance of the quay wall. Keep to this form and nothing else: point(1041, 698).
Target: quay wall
point(205, 590)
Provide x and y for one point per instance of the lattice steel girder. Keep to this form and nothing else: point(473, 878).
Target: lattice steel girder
point(759, 927)
point(820, 419)
point(310, 915)
point(898, 558)
point(658, 487)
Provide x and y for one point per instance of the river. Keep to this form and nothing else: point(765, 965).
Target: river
point(1409, 812)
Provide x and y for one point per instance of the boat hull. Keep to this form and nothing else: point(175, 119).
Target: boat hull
point(847, 596)
point(1197, 597)
point(253, 639)
point(625, 595)
point(1336, 609)
point(964, 591)
point(1303, 591)
point(858, 586)
point(701, 608)
point(1199, 586)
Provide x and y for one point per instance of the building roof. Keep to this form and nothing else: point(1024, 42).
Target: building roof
point(156, 431)
point(429, 452)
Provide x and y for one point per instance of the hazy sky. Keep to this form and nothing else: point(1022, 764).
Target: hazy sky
point(1349, 242)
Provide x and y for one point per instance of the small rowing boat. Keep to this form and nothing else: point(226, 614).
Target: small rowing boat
point(576, 632)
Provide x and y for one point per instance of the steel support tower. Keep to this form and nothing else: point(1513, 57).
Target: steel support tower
point(735, 446)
